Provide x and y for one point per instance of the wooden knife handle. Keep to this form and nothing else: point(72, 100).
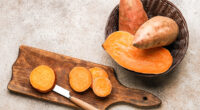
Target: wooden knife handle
point(82, 104)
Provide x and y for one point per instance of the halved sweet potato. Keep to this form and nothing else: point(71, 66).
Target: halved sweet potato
point(80, 79)
point(131, 15)
point(43, 78)
point(150, 61)
point(98, 72)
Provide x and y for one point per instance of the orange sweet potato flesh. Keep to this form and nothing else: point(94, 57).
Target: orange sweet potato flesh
point(98, 72)
point(150, 61)
point(43, 78)
point(80, 79)
point(102, 86)
point(131, 15)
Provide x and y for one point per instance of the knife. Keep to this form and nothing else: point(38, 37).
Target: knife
point(80, 103)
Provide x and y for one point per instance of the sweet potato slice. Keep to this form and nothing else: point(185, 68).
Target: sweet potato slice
point(102, 86)
point(43, 78)
point(150, 61)
point(98, 72)
point(131, 15)
point(80, 79)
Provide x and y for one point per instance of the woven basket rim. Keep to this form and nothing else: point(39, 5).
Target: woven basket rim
point(186, 38)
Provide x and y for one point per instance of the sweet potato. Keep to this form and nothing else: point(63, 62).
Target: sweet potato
point(156, 32)
point(80, 79)
point(98, 72)
point(102, 86)
point(43, 78)
point(149, 61)
point(131, 15)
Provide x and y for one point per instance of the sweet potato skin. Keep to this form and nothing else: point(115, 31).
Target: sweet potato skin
point(131, 15)
point(147, 61)
point(156, 32)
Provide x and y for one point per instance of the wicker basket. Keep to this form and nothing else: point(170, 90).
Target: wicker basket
point(164, 8)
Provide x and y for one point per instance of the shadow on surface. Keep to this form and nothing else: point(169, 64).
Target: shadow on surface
point(128, 79)
point(159, 81)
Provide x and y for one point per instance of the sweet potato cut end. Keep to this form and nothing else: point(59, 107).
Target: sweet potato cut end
point(102, 87)
point(43, 78)
point(98, 72)
point(149, 61)
point(80, 79)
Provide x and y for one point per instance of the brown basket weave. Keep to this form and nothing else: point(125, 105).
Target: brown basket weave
point(163, 8)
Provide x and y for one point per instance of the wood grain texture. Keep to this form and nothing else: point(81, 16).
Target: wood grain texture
point(29, 58)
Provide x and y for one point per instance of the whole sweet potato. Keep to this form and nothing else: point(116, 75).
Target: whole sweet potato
point(131, 15)
point(156, 32)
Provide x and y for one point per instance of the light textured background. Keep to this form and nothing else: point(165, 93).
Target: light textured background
point(76, 28)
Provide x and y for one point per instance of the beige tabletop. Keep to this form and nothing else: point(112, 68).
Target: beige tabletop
point(76, 28)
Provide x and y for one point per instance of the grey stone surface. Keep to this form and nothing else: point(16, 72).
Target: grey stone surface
point(76, 28)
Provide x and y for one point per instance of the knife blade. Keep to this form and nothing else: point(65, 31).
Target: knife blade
point(61, 91)
point(64, 92)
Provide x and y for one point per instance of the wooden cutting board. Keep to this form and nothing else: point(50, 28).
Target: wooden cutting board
point(29, 58)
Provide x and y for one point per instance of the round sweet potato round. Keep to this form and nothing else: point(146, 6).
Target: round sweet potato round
point(43, 78)
point(98, 72)
point(80, 79)
point(102, 87)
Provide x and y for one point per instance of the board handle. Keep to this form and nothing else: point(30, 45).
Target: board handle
point(139, 98)
point(82, 104)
